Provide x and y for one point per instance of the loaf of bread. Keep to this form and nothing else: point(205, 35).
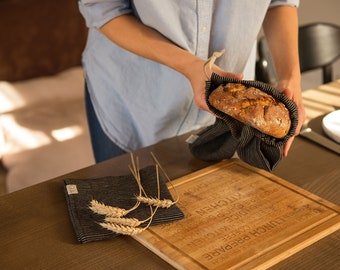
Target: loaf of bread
point(252, 107)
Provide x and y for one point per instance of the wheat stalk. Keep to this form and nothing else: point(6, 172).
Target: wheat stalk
point(166, 176)
point(111, 211)
point(163, 203)
point(129, 227)
point(115, 220)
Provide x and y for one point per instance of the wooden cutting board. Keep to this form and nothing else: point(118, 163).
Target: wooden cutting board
point(239, 217)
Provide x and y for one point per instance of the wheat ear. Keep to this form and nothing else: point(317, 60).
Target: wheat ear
point(107, 210)
point(165, 203)
point(155, 201)
point(127, 226)
point(122, 229)
point(111, 211)
point(144, 198)
point(128, 229)
point(132, 222)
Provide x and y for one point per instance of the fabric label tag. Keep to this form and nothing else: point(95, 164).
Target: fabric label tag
point(191, 138)
point(71, 189)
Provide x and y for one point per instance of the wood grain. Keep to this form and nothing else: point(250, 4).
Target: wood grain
point(238, 216)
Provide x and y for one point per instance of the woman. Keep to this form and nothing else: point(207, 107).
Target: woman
point(144, 63)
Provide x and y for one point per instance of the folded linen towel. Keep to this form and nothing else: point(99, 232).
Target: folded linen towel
point(116, 191)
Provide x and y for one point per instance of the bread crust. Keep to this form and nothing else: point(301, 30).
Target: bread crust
point(252, 107)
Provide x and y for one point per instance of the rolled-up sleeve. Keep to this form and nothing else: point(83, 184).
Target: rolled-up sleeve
point(275, 3)
point(98, 12)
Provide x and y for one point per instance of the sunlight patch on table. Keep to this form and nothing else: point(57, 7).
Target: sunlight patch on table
point(66, 133)
point(21, 138)
point(9, 98)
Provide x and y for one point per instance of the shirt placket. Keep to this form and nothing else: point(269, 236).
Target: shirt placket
point(204, 13)
point(204, 17)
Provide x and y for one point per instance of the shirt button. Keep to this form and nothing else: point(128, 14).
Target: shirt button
point(204, 28)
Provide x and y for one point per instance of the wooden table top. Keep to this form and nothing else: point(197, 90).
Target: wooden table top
point(36, 231)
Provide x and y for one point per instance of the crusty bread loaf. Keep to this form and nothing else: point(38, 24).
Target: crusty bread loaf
point(252, 107)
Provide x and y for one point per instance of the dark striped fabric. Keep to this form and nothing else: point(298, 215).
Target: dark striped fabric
point(228, 135)
point(116, 191)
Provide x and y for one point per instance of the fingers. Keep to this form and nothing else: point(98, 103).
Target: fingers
point(297, 98)
point(287, 146)
point(201, 102)
point(198, 83)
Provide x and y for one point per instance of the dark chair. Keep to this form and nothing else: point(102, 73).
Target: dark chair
point(319, 48)
point(265, 71)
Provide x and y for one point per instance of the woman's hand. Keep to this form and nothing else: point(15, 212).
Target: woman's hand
point(281, 30)
point(198, 73)
point(292, 90)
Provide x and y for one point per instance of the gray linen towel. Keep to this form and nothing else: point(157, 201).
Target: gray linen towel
point(252, 146)
point(117, 191)
point(214, 143)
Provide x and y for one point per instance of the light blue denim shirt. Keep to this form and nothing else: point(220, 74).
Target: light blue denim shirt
point(140, 102)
